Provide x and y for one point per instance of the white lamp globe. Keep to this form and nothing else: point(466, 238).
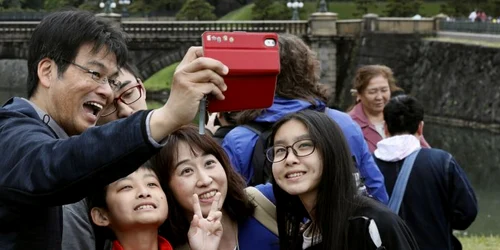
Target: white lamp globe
point(289, 5)
point(113, 5)
point(101, 5)
point(301, 4)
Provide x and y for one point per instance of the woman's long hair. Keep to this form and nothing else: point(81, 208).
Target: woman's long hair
point(236, 205)
point(335, 201)
point(298, 78)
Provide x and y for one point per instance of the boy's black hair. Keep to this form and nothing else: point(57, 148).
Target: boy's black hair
point(98, 199)
point(403, 114)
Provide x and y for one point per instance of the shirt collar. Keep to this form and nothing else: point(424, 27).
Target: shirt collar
point(48, 120)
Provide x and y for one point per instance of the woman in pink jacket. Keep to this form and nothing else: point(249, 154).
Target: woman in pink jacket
point(372, 88)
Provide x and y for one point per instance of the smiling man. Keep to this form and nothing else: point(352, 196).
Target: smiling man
point(130, 97)
point(51, 153)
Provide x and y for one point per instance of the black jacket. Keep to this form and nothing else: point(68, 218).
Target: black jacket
point(438, 198)
point(394, 233)
point(40, 172)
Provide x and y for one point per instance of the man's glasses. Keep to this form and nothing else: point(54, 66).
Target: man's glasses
point(96, 76)
point(300, 148)
point(128, 97)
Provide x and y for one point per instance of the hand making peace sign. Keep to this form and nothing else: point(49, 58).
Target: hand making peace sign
point(205, 233)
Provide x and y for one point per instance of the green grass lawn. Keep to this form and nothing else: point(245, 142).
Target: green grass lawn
point(243, 13)
point(480, 242)
point(161, 79)
point(345, 10)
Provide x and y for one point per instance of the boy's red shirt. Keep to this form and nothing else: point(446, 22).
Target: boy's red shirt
point(163, 244)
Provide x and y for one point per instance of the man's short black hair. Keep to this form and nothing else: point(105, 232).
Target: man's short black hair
point(403, 114)
point(60, 34)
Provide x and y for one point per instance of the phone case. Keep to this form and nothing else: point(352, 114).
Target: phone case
point(253, 64)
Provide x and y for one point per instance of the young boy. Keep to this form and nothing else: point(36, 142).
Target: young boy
point(130, 210)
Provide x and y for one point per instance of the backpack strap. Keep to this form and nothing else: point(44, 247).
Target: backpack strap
point(260, 173)
point(365, 224)
point(265, 210)
point(400, 186)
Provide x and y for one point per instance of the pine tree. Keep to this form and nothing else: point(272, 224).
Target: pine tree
point(403, 8)
point(270, 10)
point(363, 6)
point(456, 8)
point(196, 10)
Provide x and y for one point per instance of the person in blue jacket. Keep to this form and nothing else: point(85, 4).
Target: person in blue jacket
point(51, 152)
point(298, 88)
point(190, 164)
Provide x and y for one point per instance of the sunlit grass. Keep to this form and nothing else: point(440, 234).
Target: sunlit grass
point(480, 242)
point(161, 79)
point(243, 13)
point(154, 104)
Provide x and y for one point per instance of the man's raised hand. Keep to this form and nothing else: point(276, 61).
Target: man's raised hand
point(195, 77)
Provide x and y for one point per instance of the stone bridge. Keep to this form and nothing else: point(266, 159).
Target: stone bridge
point(157, 44)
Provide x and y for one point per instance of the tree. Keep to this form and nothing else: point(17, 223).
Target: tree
point(493, 8)
point(270, 10)
point(51, 5)
point(196, 10)
point(456, 8)
point(12, 4)
point(34, 4)
point(148, 6)
point(363, 6)
point(403, 8)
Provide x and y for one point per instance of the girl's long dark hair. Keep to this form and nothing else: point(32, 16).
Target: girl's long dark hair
point(236, 205)
point(336, 197)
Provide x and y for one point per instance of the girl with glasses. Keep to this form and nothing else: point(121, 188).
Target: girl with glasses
point(317, 202)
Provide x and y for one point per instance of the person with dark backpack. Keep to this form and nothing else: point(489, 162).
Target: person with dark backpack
point(428, 188)
point(297, 88)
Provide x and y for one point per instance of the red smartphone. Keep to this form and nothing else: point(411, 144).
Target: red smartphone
point(254, 64)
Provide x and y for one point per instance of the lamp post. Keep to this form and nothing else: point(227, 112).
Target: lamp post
point(108, 6)
point(322, 6)
point(295, 5)
point(124, 4)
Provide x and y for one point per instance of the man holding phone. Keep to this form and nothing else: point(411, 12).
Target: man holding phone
point(52, 153)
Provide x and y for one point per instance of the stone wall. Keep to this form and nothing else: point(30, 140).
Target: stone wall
point(13, 75)
point(452, 80)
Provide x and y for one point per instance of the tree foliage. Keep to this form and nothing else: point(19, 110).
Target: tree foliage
point(196, 10)
point(403, 8)
point(363, 6)
point(222, 7)
point(493, 8)
point(270, 10)
point(12, 4)
point(462, 8)
point(52, 5)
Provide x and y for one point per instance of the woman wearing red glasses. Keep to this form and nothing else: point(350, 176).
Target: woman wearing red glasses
point(130, 96)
